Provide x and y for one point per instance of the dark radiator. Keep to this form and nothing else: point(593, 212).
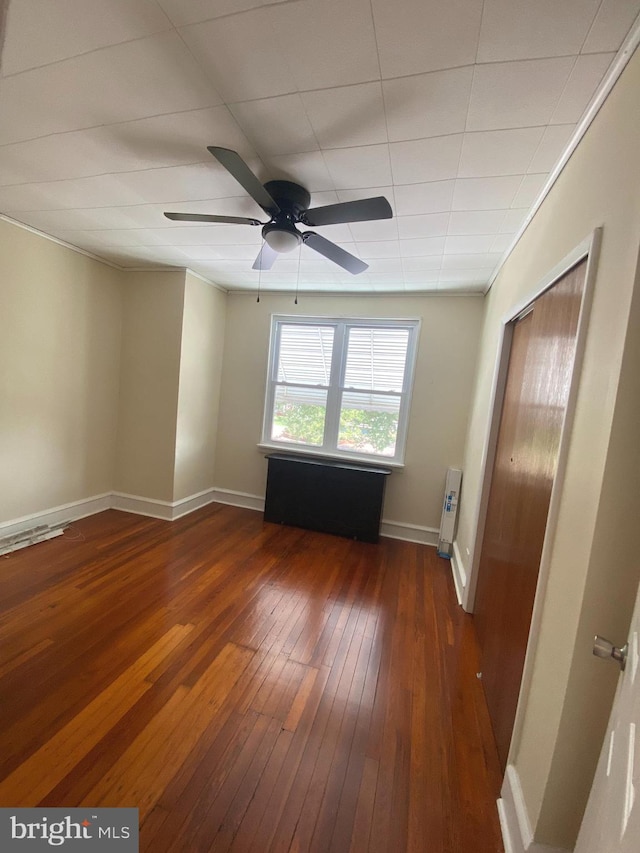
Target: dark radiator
point(325, 495)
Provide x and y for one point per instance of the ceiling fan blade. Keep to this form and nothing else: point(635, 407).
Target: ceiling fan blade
point(235, 165)
point(334, 253)
point(210, 217)
point(362, 210)
point(265, 259)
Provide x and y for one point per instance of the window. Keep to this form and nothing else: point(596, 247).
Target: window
point(340, 387)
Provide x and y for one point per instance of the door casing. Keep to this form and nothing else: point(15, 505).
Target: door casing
point(589, 249)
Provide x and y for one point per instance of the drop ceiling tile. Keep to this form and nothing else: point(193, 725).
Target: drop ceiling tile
point(276, 126)
point(519, 29)
point(169, 140)
point(382, 229)
point(513, 220)
point(612, 23)
point(116, 237)
point(469, 261)
point(309, 169)
point(143, 215)
point(160, 141)
point(66, 155)
point(463, 279)
point(420, 282)
point(476, 244)
point(98, 191)
point(501, 243)
point(327, 43)
point(364, 166)
point(485, 193)
point(312, 263)
point(425, 160)
point(347, 116)
point(423, 225)
point(581, 87)
point(338, 233)
point(258, 70)
point(182, 12)
point(63, 96)
point(434, 197)
point(470, 222)
point(245, 252)
point(379, 249)
point(492, 153)
point(422, 247)
point(205, 235)
point(41, 196)
point(426, 263)
point(388, 266)
point(38, 32)
point(90, 218)
point(516, 94)
point(320, 199)
point(552, 145)
point(415, 36)
point(529, 190)
point(182, 183)
point(163, 254)
point(423, 105)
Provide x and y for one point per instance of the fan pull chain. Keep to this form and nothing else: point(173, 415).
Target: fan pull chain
point(298, 273)
point(260, 272)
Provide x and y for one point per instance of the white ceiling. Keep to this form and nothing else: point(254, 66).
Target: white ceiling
point(455, 110)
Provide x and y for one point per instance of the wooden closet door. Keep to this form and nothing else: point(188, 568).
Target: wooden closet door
point(534, 406)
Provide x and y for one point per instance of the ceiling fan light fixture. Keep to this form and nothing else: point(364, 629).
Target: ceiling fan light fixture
point(281, 239)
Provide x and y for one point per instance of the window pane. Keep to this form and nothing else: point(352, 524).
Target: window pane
point(376, 359)
point(298, 415)
point(305, 354)
point(369, 423)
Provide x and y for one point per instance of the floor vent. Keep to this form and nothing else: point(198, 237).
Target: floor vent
point(28, 537)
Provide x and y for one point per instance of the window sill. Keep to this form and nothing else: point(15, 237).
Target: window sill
point(294, 450)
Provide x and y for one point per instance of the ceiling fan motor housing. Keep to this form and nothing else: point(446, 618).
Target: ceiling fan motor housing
point(292, 199)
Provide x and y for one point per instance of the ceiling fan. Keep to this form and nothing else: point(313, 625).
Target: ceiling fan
point(287, 205)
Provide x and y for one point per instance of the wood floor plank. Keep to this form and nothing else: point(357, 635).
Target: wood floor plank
point(36, 776)
point(143, 771)
point(249, 687)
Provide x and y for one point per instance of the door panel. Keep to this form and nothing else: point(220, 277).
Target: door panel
point(534, 406)
point(612, 818)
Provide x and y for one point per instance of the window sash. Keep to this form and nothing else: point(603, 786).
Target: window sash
point(337, 387)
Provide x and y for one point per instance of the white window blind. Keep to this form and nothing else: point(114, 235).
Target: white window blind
point(340, 387)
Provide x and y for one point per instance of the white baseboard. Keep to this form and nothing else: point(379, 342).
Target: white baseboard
point(57, 515)
point(193, 502)
point(243, 499)
point(169, 511)
point(514, 818)
point(165, 510)
point(458, 572)
point(409, 532)
point(142, 506)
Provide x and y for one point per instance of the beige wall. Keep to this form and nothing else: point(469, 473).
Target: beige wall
point(443, 381)
point(149, 378)
point(203, 329)
point(569, 691)
point(59, 367)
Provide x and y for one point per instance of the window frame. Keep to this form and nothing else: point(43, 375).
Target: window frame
point(336, 389)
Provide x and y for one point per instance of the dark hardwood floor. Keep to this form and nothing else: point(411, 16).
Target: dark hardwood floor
point(249, 687)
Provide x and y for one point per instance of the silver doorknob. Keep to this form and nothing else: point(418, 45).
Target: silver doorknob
point(604, 649)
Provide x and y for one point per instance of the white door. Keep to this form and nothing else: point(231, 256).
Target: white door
point(612, 819)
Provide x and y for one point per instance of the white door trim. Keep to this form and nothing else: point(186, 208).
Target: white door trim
point(589, 249)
